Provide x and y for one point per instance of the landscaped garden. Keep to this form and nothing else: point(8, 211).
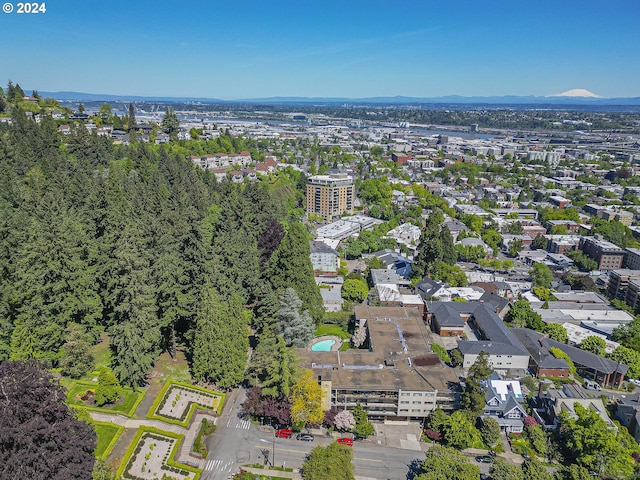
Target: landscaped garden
point(82, 394)
point(150, 457)
point(108, 434)
point(177, 402)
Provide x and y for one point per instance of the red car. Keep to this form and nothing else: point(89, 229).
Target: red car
point(345, 441)
point(284, 433)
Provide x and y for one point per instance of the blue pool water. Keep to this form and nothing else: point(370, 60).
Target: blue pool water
point(323, 346)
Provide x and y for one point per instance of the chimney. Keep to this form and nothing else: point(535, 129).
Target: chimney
point(541, 390)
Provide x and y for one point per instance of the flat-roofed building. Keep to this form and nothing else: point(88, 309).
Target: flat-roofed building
point(619, 281)
point(632, 297)
point(397, 378)
point(330, 195)
point(632, 258)
point(608, 255)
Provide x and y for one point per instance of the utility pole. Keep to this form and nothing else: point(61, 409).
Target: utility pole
point(273, 452)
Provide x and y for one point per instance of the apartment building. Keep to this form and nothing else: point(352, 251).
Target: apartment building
point(330, 195)
point(608, 255)
point(397, 378)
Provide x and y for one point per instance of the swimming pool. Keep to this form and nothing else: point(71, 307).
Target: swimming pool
point(323, 346)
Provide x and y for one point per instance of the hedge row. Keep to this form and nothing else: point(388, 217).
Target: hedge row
point(169, 466)
point(161, 398)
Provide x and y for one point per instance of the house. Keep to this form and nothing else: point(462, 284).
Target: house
point(628, 412)
point(546, 407)
point(331, 292)
point(324, 259)
point(603, 371)
point(394, 261)
point(505, 350)
point(406, 233)
point(64, 129)
point(504, 403)
point(162, 138)
point(445, 320)
point(488, 333)
point(393, 290)
point(541, 362)
point(236, 176)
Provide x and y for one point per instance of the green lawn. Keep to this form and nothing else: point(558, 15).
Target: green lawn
point(331, 330)
point(101, 353)
point(106, 436)
point(126, 407)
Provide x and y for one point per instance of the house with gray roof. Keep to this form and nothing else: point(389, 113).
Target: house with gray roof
point(541, 362)
point(546, 407)
point(505, 403)
point(628, 412)
point(394, 261)
point(605, 372)
point(490, 334)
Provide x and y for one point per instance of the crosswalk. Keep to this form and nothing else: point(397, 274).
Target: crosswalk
point(238, 423)
point(217, 465)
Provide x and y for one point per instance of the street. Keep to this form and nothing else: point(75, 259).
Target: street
point(238, 442)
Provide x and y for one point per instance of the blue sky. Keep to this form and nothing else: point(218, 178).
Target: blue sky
point(232, 49)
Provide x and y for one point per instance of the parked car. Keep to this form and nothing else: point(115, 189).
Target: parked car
point(592, 384)
point(284, 433)
point(345, 441)
point(484, 459)
point(306, 437)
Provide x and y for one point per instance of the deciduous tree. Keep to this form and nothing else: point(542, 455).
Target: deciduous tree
point(593, 344)
point(330, 462)
point(40, 438)
point(306, 401)
point(445, 463)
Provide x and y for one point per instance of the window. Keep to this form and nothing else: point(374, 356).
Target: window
point(417, 403)
point(405, 394)
point(404, 401)
point(417, 394)
point(404, 410)
point(415, 410)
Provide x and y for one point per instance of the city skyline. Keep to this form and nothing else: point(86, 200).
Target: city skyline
point(231, 50)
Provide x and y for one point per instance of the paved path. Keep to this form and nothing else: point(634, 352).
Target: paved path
point(189, 433)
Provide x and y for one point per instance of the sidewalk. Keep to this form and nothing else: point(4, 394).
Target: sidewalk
point(295, 475)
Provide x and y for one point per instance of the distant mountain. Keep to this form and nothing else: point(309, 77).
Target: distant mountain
point(571, 97)
point(80, 96)
point(577, 92)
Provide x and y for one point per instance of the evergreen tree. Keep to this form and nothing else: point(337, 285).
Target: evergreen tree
point(170, 123)
point(294, 326)
point(76, 352)
point(280, 375)
point(108, 389)
point(449, 253)
point(472, 398)
point(220, 344)
point(132, 124)
point(430, 246)
point(135, 335)
point(290, 266)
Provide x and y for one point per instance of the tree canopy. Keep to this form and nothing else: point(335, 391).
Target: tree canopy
point(40, 438)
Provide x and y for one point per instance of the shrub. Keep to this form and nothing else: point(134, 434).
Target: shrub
point(441, 352)
point(108, 389)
